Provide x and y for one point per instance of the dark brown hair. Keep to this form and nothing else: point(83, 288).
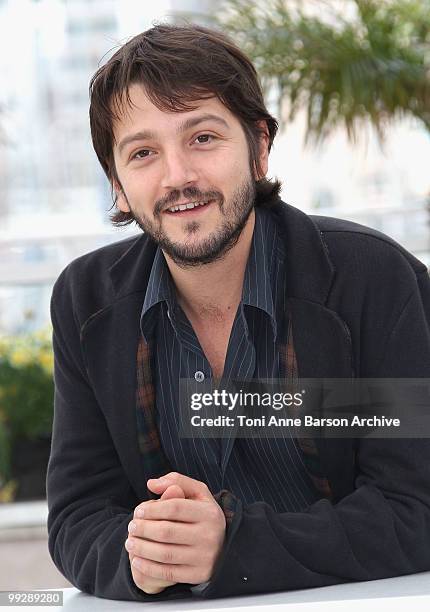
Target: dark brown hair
point(178, 65)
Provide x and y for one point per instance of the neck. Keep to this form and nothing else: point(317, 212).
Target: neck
point(198, 289)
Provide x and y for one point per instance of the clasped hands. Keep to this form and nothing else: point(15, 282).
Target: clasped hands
point(177, 538)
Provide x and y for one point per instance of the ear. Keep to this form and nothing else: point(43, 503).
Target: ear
point(263, 149)
point(121, 200)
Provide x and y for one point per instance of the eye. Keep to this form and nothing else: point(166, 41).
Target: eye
point(207, 138)
point(141, 154)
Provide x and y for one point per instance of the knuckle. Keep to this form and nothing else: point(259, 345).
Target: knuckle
point(167, 574)
point(167, 555)
point(174, 507)
point(166, 532)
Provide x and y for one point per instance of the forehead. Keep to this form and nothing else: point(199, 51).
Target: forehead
point(140, 112)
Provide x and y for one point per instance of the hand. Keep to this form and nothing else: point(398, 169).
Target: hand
point(178, 540)
point(149, 585)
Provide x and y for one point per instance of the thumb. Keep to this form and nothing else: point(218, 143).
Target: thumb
point(173, 491)
point(193, 489)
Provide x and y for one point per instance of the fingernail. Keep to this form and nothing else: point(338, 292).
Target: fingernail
point(132, 527)
point(140, 513)
point(129, 544)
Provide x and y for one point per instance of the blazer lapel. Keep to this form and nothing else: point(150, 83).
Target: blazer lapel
point(323, 349)
point(110, 342)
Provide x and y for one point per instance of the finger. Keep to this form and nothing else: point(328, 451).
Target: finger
point(143, 505)
point(182, 510)
point(172, 492)
point(194, 489)
point(175, 554)
point(163, 531)
point(151, 586)
point(170, 573)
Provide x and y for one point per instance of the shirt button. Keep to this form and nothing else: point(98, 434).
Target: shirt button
point(199, 376)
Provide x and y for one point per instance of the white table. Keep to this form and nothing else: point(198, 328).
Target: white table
point(405, 593)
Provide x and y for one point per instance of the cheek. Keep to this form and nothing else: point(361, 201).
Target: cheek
point(141, 190)
point(239, 171)
point(228, 171)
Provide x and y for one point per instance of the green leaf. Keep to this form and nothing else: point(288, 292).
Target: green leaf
point(373, 66)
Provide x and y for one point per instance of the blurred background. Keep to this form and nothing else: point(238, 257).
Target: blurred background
point(349, 81)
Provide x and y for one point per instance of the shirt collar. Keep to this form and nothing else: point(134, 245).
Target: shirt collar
point(260, 273)
point(159, 289)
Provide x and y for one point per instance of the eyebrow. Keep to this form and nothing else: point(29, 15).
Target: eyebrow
point(183, 127)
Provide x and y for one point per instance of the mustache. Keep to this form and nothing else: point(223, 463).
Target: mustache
point(189, 193)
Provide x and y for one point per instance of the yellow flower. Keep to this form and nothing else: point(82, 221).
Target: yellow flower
point(20, 357)
point(47, 361)
point(8, 491)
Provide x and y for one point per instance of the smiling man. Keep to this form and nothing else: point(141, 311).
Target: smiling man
point(226, 282)
point(192, 225)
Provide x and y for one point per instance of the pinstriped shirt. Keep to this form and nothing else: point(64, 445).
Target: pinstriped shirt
point(259, 469)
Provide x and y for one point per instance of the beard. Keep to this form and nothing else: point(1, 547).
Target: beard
point(219, 242)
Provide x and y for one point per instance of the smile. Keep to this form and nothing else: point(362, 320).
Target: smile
point(186, 208)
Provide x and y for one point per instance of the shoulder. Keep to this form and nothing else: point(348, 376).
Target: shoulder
point(85, 284)
point(105, 256)
point(375, 277)
point(354, 245)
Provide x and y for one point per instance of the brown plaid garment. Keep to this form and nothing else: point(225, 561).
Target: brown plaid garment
point(289, 371)
point(153, 457)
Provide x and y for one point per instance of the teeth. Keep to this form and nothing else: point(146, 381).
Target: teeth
point(186, 206)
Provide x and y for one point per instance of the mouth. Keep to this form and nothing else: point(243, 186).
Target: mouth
point(189, 209)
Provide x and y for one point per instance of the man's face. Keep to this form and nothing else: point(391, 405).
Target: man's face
point(169, 159)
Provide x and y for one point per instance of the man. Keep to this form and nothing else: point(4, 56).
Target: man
point(226, 282)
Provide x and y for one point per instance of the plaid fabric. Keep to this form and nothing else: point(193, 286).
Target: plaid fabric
point(153, 457)
point(228, 503)
point(290, 372)
point(155, 461)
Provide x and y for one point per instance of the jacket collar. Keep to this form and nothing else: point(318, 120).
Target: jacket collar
point(309, 270)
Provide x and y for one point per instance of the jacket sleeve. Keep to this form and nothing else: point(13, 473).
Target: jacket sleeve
point(90, 500)
point(380, 530)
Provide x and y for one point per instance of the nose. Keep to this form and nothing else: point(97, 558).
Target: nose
point(178, 170)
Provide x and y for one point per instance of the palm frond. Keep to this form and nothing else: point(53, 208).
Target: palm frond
point(374, 67)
